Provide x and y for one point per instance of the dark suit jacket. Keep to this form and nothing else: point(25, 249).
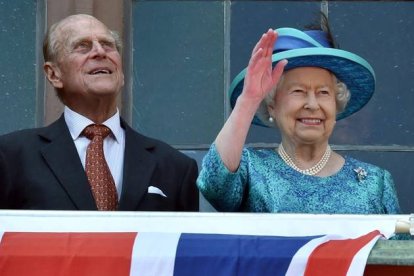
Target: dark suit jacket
point(41, 169)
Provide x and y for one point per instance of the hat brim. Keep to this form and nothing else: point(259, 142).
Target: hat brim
point(349, 68)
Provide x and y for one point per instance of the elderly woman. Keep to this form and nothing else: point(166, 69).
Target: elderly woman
point(311, 86)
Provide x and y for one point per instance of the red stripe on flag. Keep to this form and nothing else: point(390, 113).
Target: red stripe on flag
point(44, 254)
point(335, 256)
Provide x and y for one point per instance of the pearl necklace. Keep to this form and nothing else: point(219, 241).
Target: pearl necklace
point(310, 171)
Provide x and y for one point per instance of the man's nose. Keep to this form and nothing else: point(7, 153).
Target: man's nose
point(97, 49)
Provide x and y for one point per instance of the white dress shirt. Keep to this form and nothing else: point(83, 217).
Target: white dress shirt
point(114, 144)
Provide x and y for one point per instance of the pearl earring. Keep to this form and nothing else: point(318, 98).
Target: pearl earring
point(271, 120)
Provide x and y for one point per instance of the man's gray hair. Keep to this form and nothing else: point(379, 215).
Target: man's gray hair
point(52, 43)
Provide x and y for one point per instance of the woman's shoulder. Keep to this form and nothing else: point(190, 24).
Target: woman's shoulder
point(363, 169)
point(359, 163)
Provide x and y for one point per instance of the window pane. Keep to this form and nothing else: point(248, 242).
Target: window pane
point(18, 64)
point(379, 31)
point(382, 33)
point(178, 77)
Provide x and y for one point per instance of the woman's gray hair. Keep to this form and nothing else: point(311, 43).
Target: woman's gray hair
point(342, 98)
point(52, 43)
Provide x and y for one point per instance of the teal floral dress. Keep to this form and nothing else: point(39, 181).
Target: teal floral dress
point(264, 183)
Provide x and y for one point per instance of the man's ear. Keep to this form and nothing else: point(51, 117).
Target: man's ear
point(53, 74)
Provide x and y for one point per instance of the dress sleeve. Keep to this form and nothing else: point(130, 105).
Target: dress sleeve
point(389, 196)
point(222, 188)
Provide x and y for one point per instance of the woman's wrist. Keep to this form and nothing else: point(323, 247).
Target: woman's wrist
point(248, 105)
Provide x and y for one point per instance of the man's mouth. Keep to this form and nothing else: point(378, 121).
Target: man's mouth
point(100, 71)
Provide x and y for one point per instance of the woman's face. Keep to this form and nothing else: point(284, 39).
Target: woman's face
point(304, 105)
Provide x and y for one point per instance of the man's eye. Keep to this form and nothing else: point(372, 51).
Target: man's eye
point(82, 46)
point(108, 45)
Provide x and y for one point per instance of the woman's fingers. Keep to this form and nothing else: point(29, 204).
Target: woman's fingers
point(266, 42)
point(270, 42)
point(260, 75)
point(256, 57)
point(278, 70)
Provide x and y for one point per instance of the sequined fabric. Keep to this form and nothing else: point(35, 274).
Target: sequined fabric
point(97, 170)
point(264, 183)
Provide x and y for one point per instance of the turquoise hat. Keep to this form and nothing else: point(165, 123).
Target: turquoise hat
point(312, 49)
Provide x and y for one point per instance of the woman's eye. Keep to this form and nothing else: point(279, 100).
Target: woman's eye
point(298, 91)
point(324, 92)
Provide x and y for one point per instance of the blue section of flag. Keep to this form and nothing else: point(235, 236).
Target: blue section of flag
point(224, 255)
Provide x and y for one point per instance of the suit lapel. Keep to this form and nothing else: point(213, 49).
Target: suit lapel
point(139, 165)
point(62, 157)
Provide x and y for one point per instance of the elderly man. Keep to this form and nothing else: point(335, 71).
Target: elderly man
point(90, 159)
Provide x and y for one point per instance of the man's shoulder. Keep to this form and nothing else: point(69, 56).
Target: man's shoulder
point(30, 135)
point(19, 135)
point(19, 141)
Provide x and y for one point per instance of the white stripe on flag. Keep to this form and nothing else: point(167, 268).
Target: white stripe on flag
point(298, 263)
point(360, 259)
point(1, 235)
point(154, 254)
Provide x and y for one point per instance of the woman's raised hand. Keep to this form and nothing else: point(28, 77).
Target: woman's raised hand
point(258, 82)
point(260, 76)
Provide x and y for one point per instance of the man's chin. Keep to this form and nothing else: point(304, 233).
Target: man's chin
point(100, 89)
point(107, 88)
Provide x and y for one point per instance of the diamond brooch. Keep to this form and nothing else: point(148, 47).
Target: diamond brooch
point(361, 173)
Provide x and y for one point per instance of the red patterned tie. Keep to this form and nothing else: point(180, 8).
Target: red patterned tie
point(97, 170)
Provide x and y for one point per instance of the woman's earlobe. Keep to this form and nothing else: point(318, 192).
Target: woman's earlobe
point(270, 108)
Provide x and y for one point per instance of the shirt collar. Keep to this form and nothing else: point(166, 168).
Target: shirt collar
point(77, 123)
